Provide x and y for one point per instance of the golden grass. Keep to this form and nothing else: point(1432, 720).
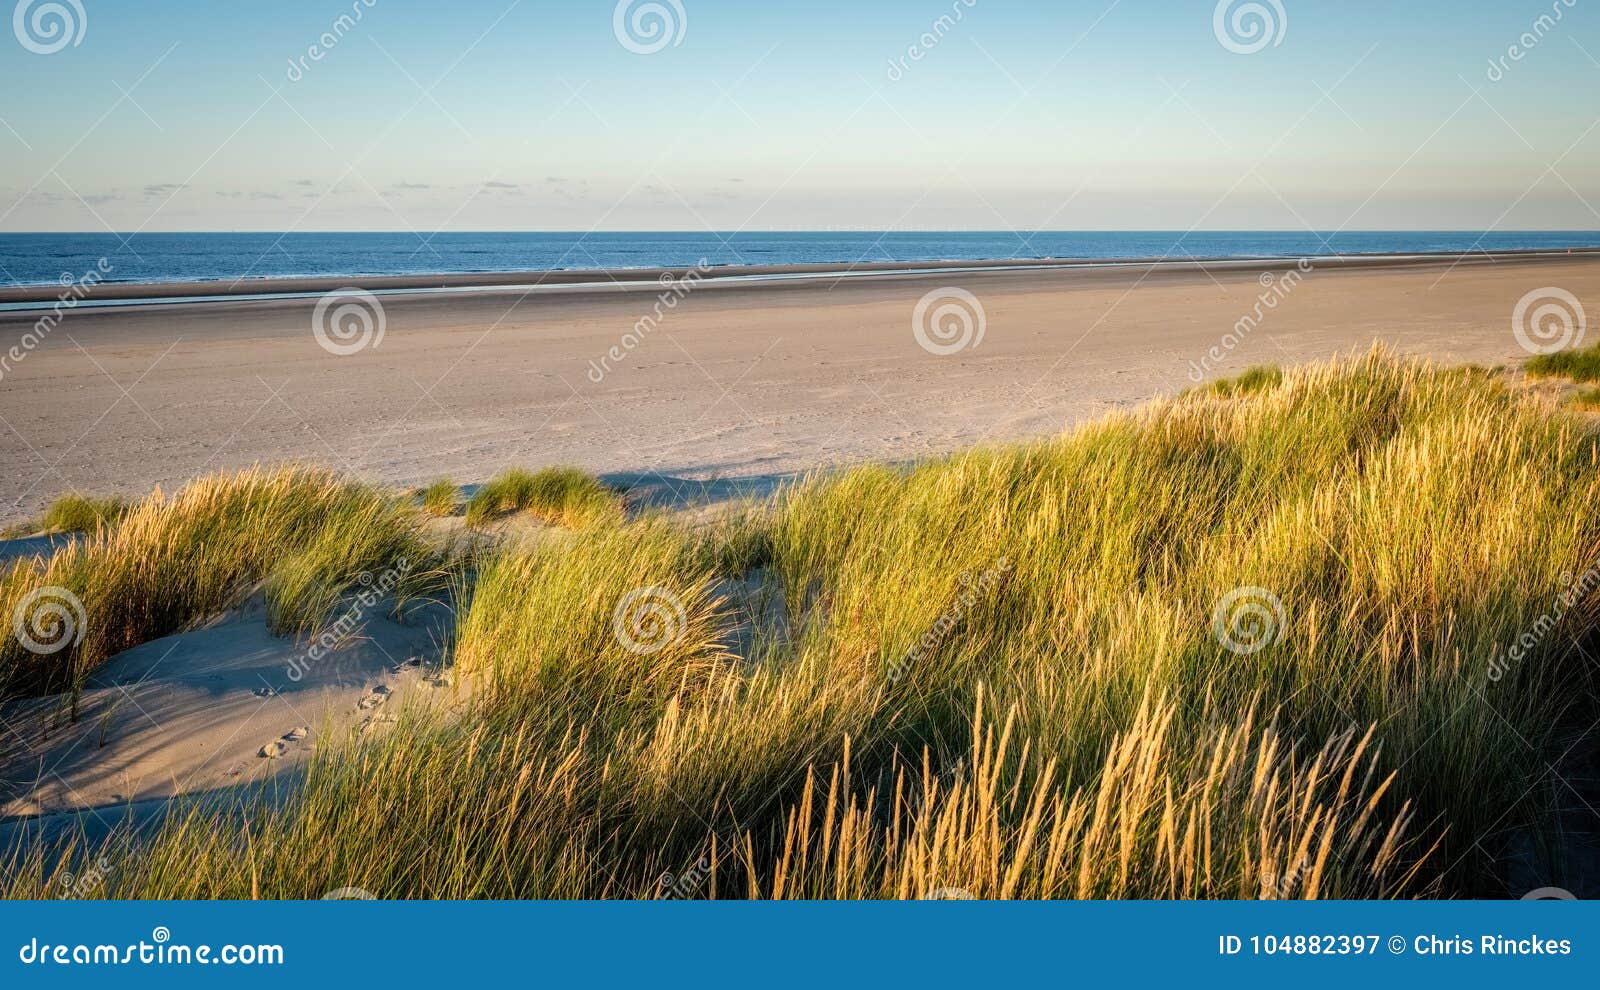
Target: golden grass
point(1579, 364)
point(441, 498)
point(1586, 399)
point(81, 513)
point(999, 673)
point(562, 496)
point(170, 563)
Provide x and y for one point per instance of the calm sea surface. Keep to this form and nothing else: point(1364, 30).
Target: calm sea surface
point(37, 259)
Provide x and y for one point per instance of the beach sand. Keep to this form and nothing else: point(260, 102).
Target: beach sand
point(736, 383)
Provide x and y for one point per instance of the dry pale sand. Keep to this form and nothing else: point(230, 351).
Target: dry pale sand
point(742, 381)
point(220, 706)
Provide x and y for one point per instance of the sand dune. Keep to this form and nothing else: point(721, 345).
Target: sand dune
point(218, 707)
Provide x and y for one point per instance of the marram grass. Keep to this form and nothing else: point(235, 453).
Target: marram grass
point(441, 498)
point(82, 513)
point(1001, 674)
point(561, 496)
point(170, 563)
point(1578, 364)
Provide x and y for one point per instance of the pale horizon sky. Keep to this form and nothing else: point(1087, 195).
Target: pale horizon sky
point(503, 115)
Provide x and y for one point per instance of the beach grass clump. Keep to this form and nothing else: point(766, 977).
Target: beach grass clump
point(78, 513)
point(641, 620)
point(560, 495)
point(1585, 399)
point(171, 562)
point(441, 498)
point(1578, 364)
point(1251, 380)
point(1307, 640)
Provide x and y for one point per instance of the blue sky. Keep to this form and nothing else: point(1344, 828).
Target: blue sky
point(490, 114)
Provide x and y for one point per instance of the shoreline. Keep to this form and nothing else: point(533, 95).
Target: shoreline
point(36, 298)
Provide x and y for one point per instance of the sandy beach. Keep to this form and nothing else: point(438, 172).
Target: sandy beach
point(743, 382)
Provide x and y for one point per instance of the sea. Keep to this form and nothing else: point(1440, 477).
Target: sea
point(60, 258)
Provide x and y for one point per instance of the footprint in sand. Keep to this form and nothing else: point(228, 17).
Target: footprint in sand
point(371, 722)
point(374, 698)
point(277, 747)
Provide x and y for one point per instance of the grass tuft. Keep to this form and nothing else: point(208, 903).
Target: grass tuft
point(170, 563)
point(1251, 381)
point(1585, 400)
point(441, 498)
point(1580, 365)
point(562, 496)
point(77, 513)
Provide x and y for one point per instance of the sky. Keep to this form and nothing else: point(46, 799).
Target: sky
point(541, 115)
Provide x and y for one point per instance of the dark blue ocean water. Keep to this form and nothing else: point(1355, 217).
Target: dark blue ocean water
point(36, 259)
